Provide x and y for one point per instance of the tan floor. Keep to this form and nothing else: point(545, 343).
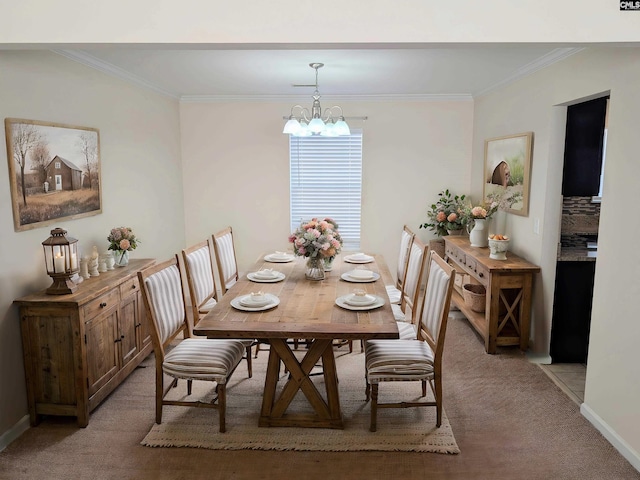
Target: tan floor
point(570, 377)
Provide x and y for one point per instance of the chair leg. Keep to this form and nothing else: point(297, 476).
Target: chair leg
point(374, 408)
point(437, 384)
point(189, 385)
point(222, 406)
point(361, 346)
point(367, 391)
point(257, 349)
point(159, 394)
point(249, 363)
point(424, 388)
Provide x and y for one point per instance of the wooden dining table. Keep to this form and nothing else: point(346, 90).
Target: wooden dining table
point(307, 310)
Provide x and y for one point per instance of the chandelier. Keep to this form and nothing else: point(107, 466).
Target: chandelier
point(329, 123)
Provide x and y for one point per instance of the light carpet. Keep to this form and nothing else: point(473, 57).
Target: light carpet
point(399, 429)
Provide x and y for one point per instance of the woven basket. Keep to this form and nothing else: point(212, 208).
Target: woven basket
point(474, 296)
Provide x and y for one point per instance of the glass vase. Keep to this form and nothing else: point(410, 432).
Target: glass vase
point(328, 263)
point(122, 258)
point(315, 269)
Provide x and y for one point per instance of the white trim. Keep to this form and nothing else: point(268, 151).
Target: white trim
point(458, 97)
point(614, 439)
point(109, 69)
point(13, 433)
point(546, 60)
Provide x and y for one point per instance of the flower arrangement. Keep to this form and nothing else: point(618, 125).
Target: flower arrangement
point(122, 239)
point(317, 239)
point(495, 201)
point(447, 214)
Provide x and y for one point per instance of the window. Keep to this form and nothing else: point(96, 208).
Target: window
point(57, 165)
point(326, 181)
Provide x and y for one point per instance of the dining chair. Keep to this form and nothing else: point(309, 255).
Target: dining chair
point(405, 313)
point(212, 360)
point(226, 258)
point(415, 360)
point(394, 292)
point(198, 268)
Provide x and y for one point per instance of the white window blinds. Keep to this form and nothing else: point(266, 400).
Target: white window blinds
point(326, 181)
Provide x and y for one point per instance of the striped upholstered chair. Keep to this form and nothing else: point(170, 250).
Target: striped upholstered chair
point(394, 292)
point(226, 258)
point(202, 287)
point(406, 313)
point(212, 360)
point(411, 360)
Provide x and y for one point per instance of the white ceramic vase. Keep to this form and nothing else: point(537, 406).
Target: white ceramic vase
point(478, 235)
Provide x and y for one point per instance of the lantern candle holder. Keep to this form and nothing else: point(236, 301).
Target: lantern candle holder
point(62, 261)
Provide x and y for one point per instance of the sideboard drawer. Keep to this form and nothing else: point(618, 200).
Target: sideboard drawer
point(482, 274)
point(129, 287)
point(102, 303)
point(456, 255)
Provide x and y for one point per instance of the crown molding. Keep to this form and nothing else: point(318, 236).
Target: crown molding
point(546, 60)
point(89, 60)
point(462, 97)
point(109, 69)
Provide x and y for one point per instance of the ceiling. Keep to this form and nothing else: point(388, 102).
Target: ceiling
point(455, 71)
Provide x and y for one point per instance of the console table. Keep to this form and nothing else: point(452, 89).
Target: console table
point(507, 314)
point(79, 347)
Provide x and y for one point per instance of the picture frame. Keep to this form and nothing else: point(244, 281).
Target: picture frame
point(507, 168)
point(54, 172)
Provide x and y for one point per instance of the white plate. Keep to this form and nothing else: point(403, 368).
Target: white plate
point(351, 259)
point(278, 278)
point(340, 301)
point(278, 259)
point(348, 278)
point(250, 301)
point(366, 302)
point(273, 302)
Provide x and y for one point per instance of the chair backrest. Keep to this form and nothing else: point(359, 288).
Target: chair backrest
point(413, 277)
point(226, 258)
point(435, 304)
point(163, 294)
point(406, 239)
point(199, 271)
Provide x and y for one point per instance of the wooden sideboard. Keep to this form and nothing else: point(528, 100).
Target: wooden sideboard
point(79, 347)
point(508, 283)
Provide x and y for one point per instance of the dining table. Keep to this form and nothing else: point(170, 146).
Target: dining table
point(308, 310)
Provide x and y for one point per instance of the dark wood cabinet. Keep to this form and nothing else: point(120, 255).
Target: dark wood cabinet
point(572, 311)
point(584, 140)
point(79, 347)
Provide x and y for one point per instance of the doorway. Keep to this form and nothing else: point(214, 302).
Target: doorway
point(581, 192)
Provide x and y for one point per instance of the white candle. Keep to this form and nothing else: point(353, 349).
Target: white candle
point(74, 262)
point(58, 264)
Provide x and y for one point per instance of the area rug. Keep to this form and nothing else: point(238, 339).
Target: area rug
point(399, 429)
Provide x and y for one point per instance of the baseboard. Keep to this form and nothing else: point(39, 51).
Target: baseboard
point(13, 433)
point(614, 439)
point(541, 358)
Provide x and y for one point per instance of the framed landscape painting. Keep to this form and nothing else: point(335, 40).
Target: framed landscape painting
point(54, 172)
point(507, 165)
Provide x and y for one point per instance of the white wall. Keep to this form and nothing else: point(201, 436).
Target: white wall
point(240, 176)
point(612, 391)
point(141, 182)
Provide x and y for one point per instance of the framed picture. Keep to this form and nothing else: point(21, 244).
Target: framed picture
point(507, 164)
point(54, 172)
